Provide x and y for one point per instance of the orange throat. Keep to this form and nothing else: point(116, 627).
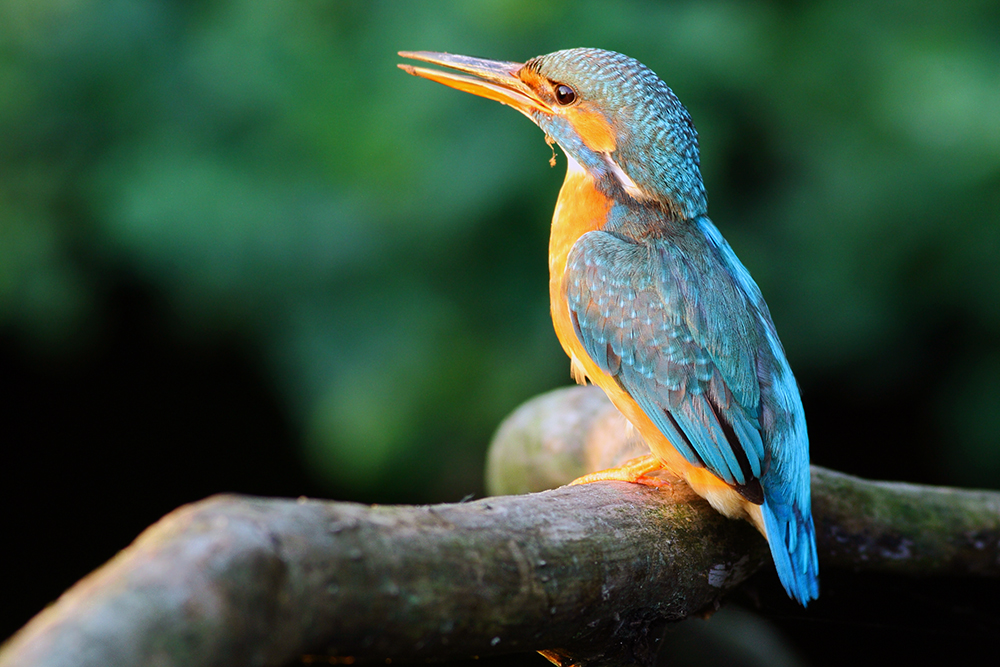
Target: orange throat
point(581, 208)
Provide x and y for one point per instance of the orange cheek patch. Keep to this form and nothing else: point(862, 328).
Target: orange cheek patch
point(593, 128)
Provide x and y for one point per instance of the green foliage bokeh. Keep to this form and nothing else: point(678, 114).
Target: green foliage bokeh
point(379, 242)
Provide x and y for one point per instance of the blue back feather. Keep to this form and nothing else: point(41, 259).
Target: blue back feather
point(673, 347)
point(661, 302)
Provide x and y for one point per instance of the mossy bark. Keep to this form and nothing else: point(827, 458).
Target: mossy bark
point(595, 571)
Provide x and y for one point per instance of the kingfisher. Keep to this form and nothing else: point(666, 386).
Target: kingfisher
point(648, 299)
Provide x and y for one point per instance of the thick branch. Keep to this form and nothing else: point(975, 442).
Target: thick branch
point(861, 525)
point(235, 580)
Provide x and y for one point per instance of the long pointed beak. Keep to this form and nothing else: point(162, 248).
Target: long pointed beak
point(493, 79)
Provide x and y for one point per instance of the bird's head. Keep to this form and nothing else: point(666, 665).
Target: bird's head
point(608, 112)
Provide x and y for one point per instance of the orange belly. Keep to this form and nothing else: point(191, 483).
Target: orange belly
point(582, 208)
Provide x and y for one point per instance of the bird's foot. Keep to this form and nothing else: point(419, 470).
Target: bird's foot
point(635, 470)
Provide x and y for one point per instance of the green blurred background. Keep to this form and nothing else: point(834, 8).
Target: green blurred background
point(241, 251)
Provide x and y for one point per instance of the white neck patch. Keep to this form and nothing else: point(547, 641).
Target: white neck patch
point(627, 183)
point(574, 167)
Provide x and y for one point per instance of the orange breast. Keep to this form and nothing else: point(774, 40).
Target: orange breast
point(582, 208)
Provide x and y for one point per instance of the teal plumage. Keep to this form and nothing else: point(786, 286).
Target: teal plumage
point(656, 141)
point(649, 300)
point(682, 326)
point(697, 351)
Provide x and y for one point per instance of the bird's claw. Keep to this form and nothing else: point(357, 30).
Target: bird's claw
point(635, 471)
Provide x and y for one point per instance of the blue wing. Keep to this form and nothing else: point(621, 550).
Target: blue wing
point(640, 312)
point(683, 328)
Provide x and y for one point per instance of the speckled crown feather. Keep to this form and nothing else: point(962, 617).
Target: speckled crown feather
point(657, 145)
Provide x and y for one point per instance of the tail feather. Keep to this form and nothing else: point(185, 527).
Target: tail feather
point(792, 539)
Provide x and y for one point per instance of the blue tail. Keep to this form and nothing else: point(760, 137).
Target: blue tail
point(792, 539)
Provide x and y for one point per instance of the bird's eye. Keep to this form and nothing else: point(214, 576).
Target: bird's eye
point(564, 94)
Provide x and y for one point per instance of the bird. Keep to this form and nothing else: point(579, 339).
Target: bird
point(650, 302)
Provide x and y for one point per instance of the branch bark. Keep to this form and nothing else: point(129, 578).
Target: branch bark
point(861, 525)
point(239, 580)
point(594, 570)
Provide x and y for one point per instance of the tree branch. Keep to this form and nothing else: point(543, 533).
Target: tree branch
point(595, 570)
point(238, 580)
point(861, 525)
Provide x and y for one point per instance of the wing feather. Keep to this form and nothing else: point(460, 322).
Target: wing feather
point(640, 311)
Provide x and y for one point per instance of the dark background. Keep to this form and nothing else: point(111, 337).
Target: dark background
point(241, 252)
